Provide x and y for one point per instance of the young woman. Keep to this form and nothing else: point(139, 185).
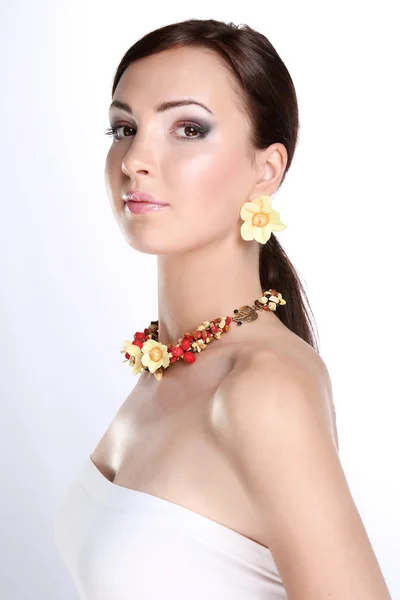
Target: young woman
point(219, 476)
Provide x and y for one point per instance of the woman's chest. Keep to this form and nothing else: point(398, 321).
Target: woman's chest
point(165, 444)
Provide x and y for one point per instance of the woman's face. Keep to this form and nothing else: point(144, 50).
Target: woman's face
point(195, 160)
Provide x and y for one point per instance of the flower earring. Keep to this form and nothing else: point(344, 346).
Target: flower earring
point(260, 219)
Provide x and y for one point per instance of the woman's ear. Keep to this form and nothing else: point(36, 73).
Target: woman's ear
point(271, 163)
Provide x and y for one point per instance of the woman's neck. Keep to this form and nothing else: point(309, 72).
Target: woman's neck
point(206, 283)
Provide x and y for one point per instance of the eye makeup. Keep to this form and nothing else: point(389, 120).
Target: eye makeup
point(200, 130)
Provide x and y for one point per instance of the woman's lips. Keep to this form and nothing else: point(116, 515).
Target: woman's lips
point(139, 207)
point(137, 196)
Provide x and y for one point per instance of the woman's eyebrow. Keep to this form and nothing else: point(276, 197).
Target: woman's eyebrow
point(160, 107)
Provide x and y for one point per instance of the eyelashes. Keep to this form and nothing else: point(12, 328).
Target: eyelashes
point(200, 131)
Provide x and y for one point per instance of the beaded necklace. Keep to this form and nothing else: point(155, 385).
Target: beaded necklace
point(146, 353)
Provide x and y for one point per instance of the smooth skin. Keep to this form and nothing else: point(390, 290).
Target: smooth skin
point(283, 443)
point(272, 409)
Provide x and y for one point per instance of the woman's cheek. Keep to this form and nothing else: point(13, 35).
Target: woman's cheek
point(224, 184)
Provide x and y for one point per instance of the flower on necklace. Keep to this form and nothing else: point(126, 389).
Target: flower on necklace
point(135, 354)
point(260, 219)
point(155, 355)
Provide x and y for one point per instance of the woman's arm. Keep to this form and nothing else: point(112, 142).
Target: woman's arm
point(275, 419)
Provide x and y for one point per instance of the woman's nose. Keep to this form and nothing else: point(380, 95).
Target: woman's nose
point(139, 157)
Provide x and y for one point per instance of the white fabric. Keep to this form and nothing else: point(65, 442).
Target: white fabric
point(123, 544)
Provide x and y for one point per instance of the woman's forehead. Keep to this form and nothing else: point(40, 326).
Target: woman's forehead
point(179, 73)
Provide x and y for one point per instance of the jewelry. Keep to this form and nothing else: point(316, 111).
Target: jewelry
point(146, 353)
point(260, 219)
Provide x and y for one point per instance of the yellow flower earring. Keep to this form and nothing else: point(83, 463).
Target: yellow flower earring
point(260, 219)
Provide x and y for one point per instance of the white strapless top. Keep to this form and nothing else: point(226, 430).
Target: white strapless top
point(123, 544)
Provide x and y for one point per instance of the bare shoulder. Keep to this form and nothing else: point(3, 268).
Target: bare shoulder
point(273, 416)
point(277, 375)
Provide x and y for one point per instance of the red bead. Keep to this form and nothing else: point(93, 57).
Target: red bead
point(214, 329)
point(173, 359)
point(139, 335)
point(127, 355)
point(137, 343)
point(177, 351)
point(228, 320)
point(147, 331)
point(189, 337)
point(189, 357)
point(185, 344)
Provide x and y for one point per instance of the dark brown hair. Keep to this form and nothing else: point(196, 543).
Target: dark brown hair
point(270, 102)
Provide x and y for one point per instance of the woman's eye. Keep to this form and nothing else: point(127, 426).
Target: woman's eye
point(190, 131)
point(114, 131)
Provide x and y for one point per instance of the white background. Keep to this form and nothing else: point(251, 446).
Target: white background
point(72, 289)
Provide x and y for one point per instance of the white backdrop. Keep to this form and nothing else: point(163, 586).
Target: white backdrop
point(71, 288)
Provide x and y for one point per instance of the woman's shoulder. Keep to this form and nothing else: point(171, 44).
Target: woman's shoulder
point(274, 421)
point(274, 370)
point(274, 348)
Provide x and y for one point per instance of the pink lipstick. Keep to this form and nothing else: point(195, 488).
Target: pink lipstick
point(141, 207)
point(140, 202)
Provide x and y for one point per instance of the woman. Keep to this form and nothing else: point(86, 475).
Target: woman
point(219, 476)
